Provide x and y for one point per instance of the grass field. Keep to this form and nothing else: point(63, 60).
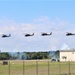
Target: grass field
point(37, 67)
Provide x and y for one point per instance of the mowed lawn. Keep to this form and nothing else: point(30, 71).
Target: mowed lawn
point(37, 67)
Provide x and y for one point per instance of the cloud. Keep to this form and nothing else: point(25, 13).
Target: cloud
point(46, 24)
point(38, 25)
point(42, 19)
point(8, 26)
point(27, 27)
point(64, 47)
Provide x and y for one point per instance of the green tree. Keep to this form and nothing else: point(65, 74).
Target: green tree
point(5, 56)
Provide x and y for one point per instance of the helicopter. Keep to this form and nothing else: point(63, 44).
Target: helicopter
point(45, 34)
point(69, 34)
point(4, 35)
point(27, 35)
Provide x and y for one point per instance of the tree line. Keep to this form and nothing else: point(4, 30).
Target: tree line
point(37, 55)
point(27, 55)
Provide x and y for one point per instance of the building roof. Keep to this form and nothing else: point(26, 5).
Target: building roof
point(71, 50)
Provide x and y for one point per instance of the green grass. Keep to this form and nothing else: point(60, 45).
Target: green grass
point(31, 67)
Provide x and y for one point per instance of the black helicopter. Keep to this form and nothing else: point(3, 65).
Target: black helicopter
point(46, 34)
point(69, 34)
point(4, 35)
point(27, 35)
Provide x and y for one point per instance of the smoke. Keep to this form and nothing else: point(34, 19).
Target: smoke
point(65, 47)
point(18, 55)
